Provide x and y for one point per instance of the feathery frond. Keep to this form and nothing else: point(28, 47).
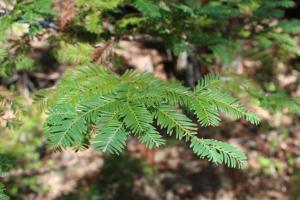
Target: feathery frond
point(226, 104)
point(209, 82)
point(152, 139)
point(111, 135)
point(137, 118)
point(130, 105)
point(75, 53)
point(92, 109)
point(169, 118)
point(219, 152)
point(206, 113)
point(93, 23)
point(64, 126)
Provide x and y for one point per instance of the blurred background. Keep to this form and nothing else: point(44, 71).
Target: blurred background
point(268, 67)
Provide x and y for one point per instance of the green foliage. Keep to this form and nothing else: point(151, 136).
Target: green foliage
point(24, 63)
point(94, 106)
point(169, 118)
point(3, 196)
point(215, 98)
point(113, 135)
point(5, 23)
point(290, 26)
point(67, 127)
point(24, 20)
point(148, 7)
point(5, 166)
point(21, 146)
point(184, 24)
point(3, 54)
point(225, 52)
point(75, 54)
point(117, 106)
point(28, 12)
point(34, 12)
point(18, 63)
point(95, 4)
point(219, 152)
point(279, 100)
point(286, 42)
point(93, 23)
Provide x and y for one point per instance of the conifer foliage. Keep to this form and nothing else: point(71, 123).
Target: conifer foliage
point(97, 107)
point(100, 108)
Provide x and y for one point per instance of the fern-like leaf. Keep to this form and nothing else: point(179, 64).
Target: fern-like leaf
point(175, 93)
point(219, 152)
point(93, 23)
point(111, 136)
point(152, 139)
point(206, 113)
point(91, 109)
point(209, 82)
point(64, 126)
point(130, 104)
point(137, 118)
point(252, 118)
point(169, 118)
point(227, 104)
point(80, 53)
